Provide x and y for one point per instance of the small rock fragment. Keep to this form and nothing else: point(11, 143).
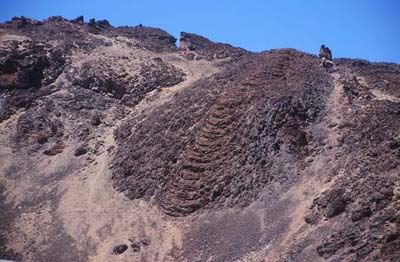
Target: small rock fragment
point(81, 150)
point(361, 213)
point(120, 249)
point(135, 247)
point(145, 242)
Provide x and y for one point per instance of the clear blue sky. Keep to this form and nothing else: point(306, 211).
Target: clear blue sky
point(351, 28)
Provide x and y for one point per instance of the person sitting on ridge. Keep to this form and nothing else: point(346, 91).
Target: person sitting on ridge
point(325, 52)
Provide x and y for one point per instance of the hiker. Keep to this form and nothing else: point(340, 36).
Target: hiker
point(325, 52)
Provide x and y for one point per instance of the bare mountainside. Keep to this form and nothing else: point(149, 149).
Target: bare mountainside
point(117, 145)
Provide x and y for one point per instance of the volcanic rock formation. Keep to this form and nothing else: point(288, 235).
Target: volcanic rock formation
point(116, 145)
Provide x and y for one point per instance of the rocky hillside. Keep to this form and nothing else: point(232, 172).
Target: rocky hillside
point(117, 145)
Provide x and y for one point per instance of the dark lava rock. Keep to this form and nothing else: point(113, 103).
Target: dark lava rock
point(311, 219)
point(328, 249)
point(145, 242)
point(120, 249)
point(361, 213)
point(205, 49)
point(37, 128)
point(236, 126)
point(81, 150)
point(331, 203)
point(336, 203)
point(55, 149)
point(96, 120)
point(135, 247)
point(153, 39)
point(78, 20)
point(102, 78)
point(25, 68)
point(22, 22)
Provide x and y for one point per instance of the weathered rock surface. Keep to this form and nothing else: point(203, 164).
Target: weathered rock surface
point(243, 129)
point(198, 47)
point(206, 152)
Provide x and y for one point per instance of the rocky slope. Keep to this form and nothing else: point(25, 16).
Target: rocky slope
point(116, 145)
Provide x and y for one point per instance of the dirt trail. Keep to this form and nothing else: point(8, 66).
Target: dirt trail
point(314, 183)
point(335, 108)
point(379, 95)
